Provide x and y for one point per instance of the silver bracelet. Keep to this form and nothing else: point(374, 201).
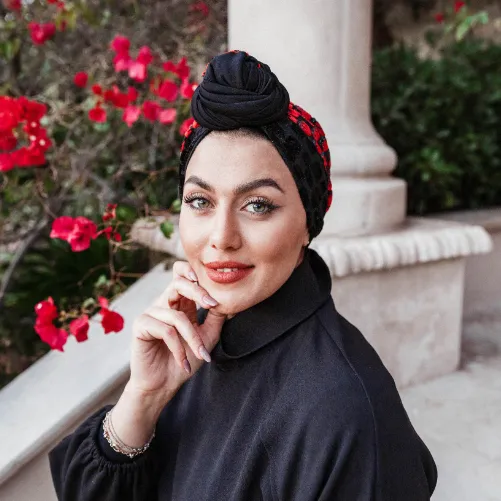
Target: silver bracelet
point(116, 444)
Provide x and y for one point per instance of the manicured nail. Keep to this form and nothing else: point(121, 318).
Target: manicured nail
point(187, 366)
point(209, 300)
point(204, 353)
point(192, 276)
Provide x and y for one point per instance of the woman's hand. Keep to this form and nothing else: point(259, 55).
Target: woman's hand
point(168, 345)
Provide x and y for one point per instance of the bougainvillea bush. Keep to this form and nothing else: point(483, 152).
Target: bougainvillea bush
point(94, 99)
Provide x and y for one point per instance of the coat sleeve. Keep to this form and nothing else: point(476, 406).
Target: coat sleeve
point(85, 468)
point(332, 453)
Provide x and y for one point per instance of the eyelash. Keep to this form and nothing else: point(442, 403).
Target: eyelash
point(270, 207)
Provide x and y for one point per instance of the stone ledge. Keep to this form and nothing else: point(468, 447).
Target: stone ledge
point(420, 240)
point(489, 219)
point(60, 389)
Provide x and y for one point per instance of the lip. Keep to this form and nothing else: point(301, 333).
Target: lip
point(221, 277)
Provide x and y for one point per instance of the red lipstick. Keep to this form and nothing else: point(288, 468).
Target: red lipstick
point(227, 272)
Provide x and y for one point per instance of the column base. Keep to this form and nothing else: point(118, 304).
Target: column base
point(365, 206)
point(404, 291)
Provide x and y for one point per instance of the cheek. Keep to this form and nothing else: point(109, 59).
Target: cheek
point(191, 232)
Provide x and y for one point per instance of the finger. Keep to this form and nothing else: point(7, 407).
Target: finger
point(184, 327)
point(211, 328)
point(152, 328)
point(183, 269)
point(180, 287)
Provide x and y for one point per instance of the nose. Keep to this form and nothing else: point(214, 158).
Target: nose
point(225, 231)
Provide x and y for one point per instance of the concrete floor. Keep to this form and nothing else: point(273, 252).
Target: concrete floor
point(459, 417)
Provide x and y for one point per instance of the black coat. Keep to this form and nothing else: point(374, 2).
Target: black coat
point(295, 406)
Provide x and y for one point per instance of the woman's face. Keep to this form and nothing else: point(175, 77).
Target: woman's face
point(242, 223)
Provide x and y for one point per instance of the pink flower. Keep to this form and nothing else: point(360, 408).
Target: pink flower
point(122, 62)
point(80, 79)
point(97, 114)
point(167, 116)
point(138, 68)
point(80, 327)
point(131, 114)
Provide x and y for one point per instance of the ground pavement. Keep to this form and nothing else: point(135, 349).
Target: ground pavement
point(459, 417)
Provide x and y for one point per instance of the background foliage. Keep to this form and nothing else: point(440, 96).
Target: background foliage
point(91, 164)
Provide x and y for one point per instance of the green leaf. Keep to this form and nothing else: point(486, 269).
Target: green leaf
point(167, 228)
point(176, 206)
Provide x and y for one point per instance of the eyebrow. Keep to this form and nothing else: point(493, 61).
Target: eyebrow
point(241, 188)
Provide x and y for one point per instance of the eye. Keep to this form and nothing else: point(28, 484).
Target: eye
point(260, 207)
point(196, 202)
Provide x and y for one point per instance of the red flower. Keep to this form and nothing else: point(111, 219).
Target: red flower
point(132, 94)
point(458, 6)
point(150, 110)
point(167, 90)
point(10, 113)
point(6, 162)
point(46, 310)
point(14, 5)
point(62, 227)
point(187, 89)
point(185, 126)
point(8, 142)
point(80, 79)
point(32, 110)
point(117, 98)
point(439, 17)
point(97, 114)
point(97, 89)
point(80, 327)
point(201, 7)
point(120, 44)
point(181, 69)
point(167, 116)
point(122, 62)
point(78, 232)
point(111, 320)
point(110, 212)
point(50, 334)
point(41, 32)
point(131, 114)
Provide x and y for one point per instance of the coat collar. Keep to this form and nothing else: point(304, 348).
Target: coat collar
point(308, 287)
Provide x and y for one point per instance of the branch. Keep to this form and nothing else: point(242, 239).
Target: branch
point(18, 256)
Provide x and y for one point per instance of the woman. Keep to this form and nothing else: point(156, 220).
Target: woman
point(265, 393)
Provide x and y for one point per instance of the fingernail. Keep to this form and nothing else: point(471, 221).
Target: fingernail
point(209, 300)
point(192, 276)
point(204, 353)
point(187, 366)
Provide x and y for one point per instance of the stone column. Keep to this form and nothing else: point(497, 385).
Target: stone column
point(321, 51)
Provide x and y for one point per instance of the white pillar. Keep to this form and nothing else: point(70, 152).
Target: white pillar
point(321, 51)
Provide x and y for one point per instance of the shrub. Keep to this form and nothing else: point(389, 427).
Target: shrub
point(443, 117)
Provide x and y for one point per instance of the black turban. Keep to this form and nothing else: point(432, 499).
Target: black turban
point(239, 91)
